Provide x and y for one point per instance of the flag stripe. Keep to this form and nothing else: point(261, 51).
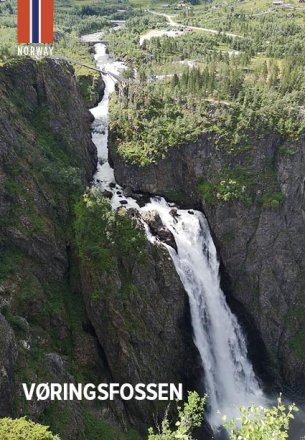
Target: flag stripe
point(35, 21)
point(40, 21)
point(23, 21)
point(47, 21)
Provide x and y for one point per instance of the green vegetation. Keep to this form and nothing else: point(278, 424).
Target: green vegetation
point(155, 116)
point(255, 422)
point(73, 18)
point(244, 185)
point(297, 344)
point(272, 200)
point(54, 163)
point(23, 429)
point(259, 423)
point(189, 418)
point(297, 339)
point(97, 428)
point(235, 92)
point(126, 42)
point(176, 197)
point(103, 235)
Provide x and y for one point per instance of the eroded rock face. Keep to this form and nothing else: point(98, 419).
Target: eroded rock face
point(92, 89)
point(47, 158)
point(43, 123)
point(140, 326)
point(141, 318)
point(261, 245)
point(8, 358)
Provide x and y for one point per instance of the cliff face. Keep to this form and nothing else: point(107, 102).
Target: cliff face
point(142, 322)
point(136, 303)
point(46, 154)
point(61, 322)
point(253, 198)
point(46, 160)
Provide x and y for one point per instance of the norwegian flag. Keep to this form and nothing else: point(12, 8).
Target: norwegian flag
point(35, 21)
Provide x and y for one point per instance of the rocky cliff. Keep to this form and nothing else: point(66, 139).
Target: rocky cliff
point(143, 325)
point(136, 303)
point(253, 197)
point(47, 159)
point(120, 318)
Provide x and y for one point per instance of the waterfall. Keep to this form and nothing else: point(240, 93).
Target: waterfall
point(229, 378)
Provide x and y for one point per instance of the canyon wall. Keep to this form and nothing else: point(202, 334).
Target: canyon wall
point(253, 197)
point(53, 328)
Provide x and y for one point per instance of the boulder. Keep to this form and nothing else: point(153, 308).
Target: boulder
point(153, 220)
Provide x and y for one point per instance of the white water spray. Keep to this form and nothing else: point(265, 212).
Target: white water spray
point(229, 378)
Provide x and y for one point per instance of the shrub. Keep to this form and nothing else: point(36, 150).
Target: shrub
point(23, 429)
point(189, 417)
point(259, 423)
point(272, 200)
point(103, 236)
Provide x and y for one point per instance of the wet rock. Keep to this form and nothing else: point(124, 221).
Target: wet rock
point(132, 212)
point(174, 212)
point(107, 194)
point(112, 185)
point(92, 50)
point(142, 199)
point(128, 192)
point(123, 202)
point(152, 218)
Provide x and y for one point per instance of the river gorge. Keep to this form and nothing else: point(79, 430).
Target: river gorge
point(156, 282)
point(228, 375)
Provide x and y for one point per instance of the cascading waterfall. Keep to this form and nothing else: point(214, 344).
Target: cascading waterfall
point(228, 374)
point(229, 377)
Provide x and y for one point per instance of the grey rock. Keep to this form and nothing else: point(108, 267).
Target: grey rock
point(143, 327)
point(262, 249)
point(128, 192)
point(107, 194)
point(8, 358)
point(174, 212)
point(132, 212)
point(153, 220)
